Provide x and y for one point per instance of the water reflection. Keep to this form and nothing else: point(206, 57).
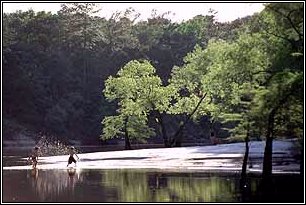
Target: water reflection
point(141, 187)
point(73, 185)
point(51, 184)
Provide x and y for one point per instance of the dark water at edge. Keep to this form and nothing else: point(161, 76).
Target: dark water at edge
point(127, 185)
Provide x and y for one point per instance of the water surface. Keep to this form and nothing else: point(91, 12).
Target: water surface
point(92, 182)
point(130, 185)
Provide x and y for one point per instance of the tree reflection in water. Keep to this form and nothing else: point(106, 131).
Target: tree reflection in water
point(124, 185)
point(162, 187)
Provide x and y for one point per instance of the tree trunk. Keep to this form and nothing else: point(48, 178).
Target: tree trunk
point(163, 130)
point(302, 160)
point(178, 140)
point(245, 162)
point(126, 135)
point(244, 185)
point(127, 143)
point(267, 163)
point(178, 143)
point(179, 131)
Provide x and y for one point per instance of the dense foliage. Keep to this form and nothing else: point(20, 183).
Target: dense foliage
point(66, 73)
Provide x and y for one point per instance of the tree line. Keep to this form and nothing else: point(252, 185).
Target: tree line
point(55, 65)
point(66, 73)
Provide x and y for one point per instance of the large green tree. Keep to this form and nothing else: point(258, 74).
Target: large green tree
point(282, 28)
point(133, 87)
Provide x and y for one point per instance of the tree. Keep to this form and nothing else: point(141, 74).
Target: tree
point(202, 27)
point(282, 25)
point(132, 88)
point(80, 30)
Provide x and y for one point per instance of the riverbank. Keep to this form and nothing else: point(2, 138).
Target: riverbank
point(223, 157)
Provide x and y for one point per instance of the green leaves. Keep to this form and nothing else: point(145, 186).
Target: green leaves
point(138, 91)
point(113, 126)
point(237, 77)
point(136, 81)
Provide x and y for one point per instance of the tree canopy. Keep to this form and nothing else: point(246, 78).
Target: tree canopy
point(160, 79)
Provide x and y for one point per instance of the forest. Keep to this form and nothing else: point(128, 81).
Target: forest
point(78, 76)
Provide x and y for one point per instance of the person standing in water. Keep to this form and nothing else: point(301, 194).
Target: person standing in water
point(71, 159)
point(34, 156)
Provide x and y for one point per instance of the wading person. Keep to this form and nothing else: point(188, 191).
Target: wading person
point(71, 159)
point(33, 157)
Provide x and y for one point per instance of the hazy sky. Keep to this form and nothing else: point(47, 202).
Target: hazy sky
point(179, 11)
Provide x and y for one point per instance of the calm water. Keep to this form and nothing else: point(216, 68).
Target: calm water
point(142, 186)
point(139, 185)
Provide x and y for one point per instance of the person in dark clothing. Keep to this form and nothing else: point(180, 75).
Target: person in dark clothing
point(71, 159)
point(33, 157)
